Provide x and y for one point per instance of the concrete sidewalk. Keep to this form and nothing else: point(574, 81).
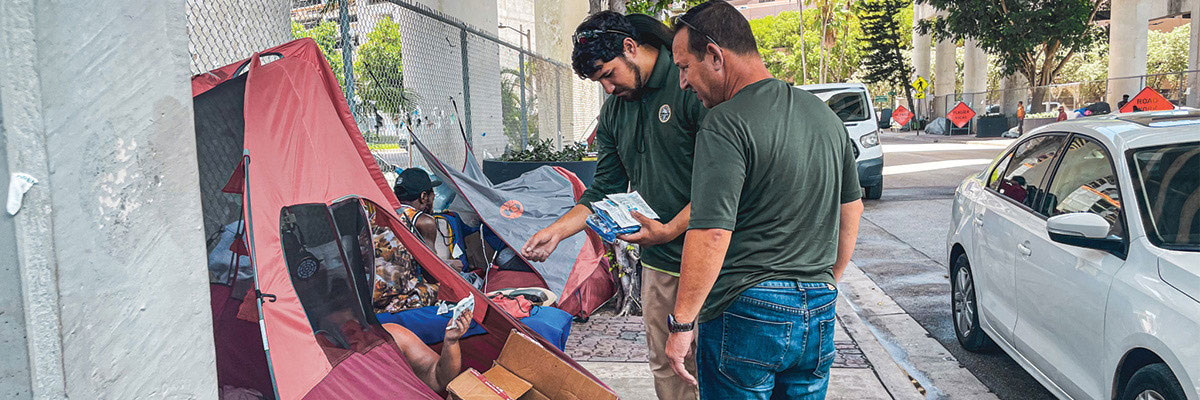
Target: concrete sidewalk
point(614, 349)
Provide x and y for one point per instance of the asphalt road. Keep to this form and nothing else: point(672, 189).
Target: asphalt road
point(902, 246)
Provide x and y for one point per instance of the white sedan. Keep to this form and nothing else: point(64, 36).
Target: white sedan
point(1077, 252)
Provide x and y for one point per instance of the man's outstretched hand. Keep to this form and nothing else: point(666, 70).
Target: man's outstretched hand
point(539, 247)
point(652, 232)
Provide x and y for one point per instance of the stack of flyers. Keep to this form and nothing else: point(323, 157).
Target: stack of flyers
point(613, 217)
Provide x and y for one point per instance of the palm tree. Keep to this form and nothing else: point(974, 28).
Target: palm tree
point(827, 11)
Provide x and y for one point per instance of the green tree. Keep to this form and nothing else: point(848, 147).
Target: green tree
point(379, 71)
point(1033, 38)
point(883, 41)
point(510, 105)
point(1167, 52)
point(783, 48)
point(654, 7)
point(327, 36)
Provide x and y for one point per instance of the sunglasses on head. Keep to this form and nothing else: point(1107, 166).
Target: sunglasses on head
point(679, 20)
point(585, 36)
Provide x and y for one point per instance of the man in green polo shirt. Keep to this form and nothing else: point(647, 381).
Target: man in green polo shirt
point(775, 210)
point(645, 138)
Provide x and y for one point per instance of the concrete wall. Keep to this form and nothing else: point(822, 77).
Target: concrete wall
point(14, 366)
point(109, 245)
point(479, 13)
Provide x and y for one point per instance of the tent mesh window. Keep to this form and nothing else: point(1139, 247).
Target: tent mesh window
point(324, 282)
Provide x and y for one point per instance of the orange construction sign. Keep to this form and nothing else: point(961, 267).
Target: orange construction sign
point(961, 114)
point(1147, 100)
point(902, 115)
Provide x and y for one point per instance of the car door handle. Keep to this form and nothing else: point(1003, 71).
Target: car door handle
point(1024, 248)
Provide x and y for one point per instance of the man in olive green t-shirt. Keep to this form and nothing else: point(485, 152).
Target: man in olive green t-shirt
point(775, 210)
point(644, 140)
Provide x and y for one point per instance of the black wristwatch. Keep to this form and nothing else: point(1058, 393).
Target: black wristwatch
point(676, 327)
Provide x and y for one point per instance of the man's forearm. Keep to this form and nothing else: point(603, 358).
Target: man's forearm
point(703, 253)
point(448, 365)
point(847, 235)
point(572, 222)
point(679, 224)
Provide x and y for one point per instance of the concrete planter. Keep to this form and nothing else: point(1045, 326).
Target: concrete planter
point(502, 171)
point(1033, 123)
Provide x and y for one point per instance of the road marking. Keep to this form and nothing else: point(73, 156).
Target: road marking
point(930, 166)
point(923, 147)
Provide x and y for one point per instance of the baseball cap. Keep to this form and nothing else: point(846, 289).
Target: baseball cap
point(412, 182)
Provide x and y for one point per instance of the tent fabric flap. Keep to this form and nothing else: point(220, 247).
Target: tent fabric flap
point(518, 208)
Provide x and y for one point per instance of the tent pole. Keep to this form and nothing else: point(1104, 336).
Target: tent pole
point(258, 295)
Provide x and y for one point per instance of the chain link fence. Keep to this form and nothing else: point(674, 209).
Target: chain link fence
point(1044, 101)
point(404, 66)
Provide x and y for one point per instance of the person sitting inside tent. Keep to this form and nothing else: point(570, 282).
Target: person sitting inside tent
point(414, 189)
point(436, 370)
point(445, 233)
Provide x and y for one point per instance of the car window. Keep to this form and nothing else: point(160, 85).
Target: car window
point(994, 177)
point(1021, 180)
point(1085, 182)
point(850, 106)
point(1168, 182)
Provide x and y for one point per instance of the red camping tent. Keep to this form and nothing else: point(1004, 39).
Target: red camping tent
point(309, 193)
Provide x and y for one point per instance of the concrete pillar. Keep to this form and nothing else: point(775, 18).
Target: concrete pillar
point(975, 67)
point(921, 52)
point(945, 77)
point(109, 244)
point(14, 366)
point(1127, 48)
point(1193, 79)
point(1009, 96)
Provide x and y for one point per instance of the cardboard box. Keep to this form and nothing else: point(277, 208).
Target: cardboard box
point(495, 384)
point(527, 371)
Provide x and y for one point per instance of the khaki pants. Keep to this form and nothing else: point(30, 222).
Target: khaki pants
point(658, 300)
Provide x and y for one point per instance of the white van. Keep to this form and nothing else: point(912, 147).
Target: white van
point(852, 103)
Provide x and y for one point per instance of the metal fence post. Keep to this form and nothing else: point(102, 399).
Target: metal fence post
point(466, 78)
point(524, 112)
point(347, 54)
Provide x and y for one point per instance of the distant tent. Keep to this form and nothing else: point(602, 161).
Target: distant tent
point(577, 271)
point(309, 192)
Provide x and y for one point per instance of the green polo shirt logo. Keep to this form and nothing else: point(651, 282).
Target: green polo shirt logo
point(664, 113)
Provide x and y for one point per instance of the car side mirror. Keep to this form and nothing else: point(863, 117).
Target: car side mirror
point(1084, 230)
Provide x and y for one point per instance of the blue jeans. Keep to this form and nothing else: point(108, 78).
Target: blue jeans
point(774, 342)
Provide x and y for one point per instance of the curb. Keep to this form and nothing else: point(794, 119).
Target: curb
point(906, 344)
point(894, 379)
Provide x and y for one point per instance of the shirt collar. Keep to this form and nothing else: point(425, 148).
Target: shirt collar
point(662, 68)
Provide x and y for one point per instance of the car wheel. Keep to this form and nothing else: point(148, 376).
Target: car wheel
point(873, 192)
point(965, 308)
point(1153, 382)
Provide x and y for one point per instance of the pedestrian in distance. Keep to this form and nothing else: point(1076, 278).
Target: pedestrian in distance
point(1062, 114)
point(1020, 118)
point(645, 136)
point(1124, 100)
point(775, 212)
